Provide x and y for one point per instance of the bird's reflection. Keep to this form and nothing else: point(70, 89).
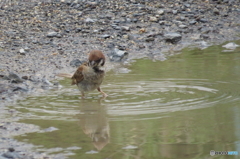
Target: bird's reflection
point(94, 122)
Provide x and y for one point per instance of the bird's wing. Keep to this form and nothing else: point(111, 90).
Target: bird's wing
point(78, 75)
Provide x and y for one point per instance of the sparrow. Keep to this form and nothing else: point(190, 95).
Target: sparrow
point(89, 76)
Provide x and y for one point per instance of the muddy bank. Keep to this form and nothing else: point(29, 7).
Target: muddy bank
point(40, 39)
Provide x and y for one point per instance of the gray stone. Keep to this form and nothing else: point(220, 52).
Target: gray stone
point(231, 46)
point(52, 34)
point(14, 78)
point(105, 36)
point(172, 37)
point(160, 12)
point(125, 28)
point(153, 19)
point(117, 55)
point(193, 22)
point(75, 63)
point(89, 20)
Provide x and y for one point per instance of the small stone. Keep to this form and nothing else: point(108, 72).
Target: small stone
point(193, 22)
point(162, 22)
point(125, 36)
point(216, 11)
point(14, 78)
point(174, 11)
point(204, 36)
point(22, 51)
point(89, 20)
point(75, 63)
point(182, 26)
point(153, 19)
point(46, 82)
point(173, 37)
point(25, 77)
point(125, 28)
point(77, 30)
point(52, 34)
point(231, 46)
point(50, 129)
point(105, 36)
point(149, 39)
point(187, 5)
point(117, 55)
point(160, 12)
point(203, 20)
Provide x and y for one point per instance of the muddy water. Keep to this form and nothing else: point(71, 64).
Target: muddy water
point(179, 108)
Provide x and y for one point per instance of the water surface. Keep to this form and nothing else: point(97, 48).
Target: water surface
point(179, 108)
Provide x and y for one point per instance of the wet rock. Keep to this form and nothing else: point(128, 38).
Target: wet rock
point(75, 63)
point(14, 78)
point(12, 154)
point(50, 129)
point(231, 46)
point(117, 55)
point(46, 82)
point(172, 37)
point(20, 89)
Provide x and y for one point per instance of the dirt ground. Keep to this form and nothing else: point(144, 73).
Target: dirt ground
point(42, 38)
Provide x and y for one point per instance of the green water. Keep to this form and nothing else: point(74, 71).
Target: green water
point(179, 108)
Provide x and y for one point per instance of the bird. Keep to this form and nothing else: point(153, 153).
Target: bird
point(89, 76)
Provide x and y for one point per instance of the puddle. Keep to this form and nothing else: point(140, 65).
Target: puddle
point(179, 108)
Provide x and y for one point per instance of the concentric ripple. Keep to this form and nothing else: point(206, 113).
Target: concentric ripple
point(153, 97)
point(166, 95)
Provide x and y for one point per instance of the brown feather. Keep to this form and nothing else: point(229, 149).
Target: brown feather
point(78, 75)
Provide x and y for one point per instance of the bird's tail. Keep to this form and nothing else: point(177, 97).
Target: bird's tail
point(64, 75)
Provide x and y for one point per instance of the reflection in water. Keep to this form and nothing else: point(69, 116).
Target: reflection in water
point(94, 123)
point(183, 108)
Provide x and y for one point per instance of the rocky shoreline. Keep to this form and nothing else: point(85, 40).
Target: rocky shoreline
point(42, 38)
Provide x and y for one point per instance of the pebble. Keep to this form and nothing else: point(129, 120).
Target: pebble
point(89, 20)
point(14, 78)
point(75, 63)
point(183, 26)
point(105, 36)
point(172, 37)
point(117, 55)
point(231, 46)
point(153, 19)
point(125, 28)
point(160, 12)
point(52, 34)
